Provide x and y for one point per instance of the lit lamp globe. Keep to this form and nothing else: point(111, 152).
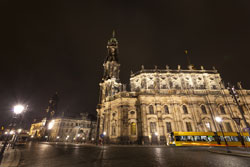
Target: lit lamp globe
point(18, 109)
point(218, 119)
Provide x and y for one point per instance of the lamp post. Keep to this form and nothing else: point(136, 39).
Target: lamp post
point(18, 109)
point(219, 120)
point(104, 134)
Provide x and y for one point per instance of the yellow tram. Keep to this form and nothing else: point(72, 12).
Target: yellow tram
point(209, 139)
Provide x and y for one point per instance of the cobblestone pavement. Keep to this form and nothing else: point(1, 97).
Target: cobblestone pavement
point(46, 155)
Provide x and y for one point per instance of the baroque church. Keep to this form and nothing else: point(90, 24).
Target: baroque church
point(161, 101)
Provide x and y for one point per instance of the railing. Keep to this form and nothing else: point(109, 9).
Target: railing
point(171, 71)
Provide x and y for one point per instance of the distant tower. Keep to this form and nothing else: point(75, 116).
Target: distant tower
point(52, 107)
point(110, 84)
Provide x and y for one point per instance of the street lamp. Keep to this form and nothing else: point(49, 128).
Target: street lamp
point(219, 120)
point(18, 109)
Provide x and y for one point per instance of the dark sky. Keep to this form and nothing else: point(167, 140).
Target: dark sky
point(49, 46)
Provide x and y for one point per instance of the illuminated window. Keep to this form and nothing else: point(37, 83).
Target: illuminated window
point(228, 126)
point(151, 109)
point(189, 126)
point(166, 109)
point(152, 127)
point(203, 109)
point(185, 109)
point(133, 128)
point(169, 127)
point(222, 110)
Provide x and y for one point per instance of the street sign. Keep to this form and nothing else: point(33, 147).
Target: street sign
point(237, 120)
point(102, 135)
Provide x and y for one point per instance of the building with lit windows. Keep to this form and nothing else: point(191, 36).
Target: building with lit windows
point(161, 101)
point(65, 129)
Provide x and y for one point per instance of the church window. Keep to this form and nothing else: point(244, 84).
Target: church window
point(132, 112)
point(203, 109)
point(151, 109)
point(152, 127)
point(133, 128)
point(228, 126)
point(164, 86)
point(166, 109)
point(170, 84)
point(185, 110)
point(222, 110)
point(169, 127)
point(189, 126)
point(143, 84)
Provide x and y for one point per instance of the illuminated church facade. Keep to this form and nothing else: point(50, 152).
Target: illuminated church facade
point(161, 101)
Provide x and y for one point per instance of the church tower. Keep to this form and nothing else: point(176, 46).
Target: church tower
point(110, 84)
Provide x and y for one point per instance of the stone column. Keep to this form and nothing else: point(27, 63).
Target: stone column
point(144, 124)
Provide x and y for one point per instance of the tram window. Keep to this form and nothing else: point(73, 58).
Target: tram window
point(235, 138)
point(197, 138)
point(181, 138)
point(190, 138)
point(204, 138)
point(247, 138)
point(228, 138)
point(211, 138)
point(221, 138)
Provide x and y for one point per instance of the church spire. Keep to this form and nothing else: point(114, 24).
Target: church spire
point(113, 34)
point(112, 47)
point(111, 65)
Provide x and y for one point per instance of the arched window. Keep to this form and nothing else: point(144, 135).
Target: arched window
point(222, 110)
point(133, 128)
point(166, 109)
point(151, 109)
point(185, 110)
point(203, 109)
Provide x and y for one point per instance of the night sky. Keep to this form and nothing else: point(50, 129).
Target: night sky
point(49, 46)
